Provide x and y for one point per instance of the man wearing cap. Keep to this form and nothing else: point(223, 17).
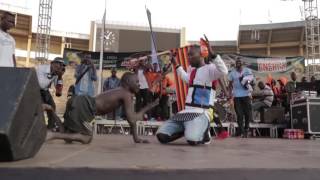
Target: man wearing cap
point(48, 74)
point(7, 43)
point(85, 75)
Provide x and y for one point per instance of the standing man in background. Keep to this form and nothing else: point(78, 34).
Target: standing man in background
point(162, 110)
point(291, 86)
point(7, 43)
point(144, 96)
point(241, 93)
point(86, 75)
point(113, 82)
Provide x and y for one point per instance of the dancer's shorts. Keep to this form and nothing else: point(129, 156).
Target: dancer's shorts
point(80, 112)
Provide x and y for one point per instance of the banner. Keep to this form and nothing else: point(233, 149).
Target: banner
point(110, 60)
point(122, 60)
point(264, 66)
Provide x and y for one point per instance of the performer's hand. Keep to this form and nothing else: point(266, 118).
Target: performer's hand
point(144, 141)
point(210, 50)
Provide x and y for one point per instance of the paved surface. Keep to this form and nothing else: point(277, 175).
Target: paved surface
point(121, 152)
point(115, 154)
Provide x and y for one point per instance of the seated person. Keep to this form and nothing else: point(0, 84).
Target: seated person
point(264, 97)
point(81, 110)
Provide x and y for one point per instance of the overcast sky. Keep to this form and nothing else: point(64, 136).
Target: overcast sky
point(219, 19)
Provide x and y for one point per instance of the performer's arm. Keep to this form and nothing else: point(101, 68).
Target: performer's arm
point(183, 74)
point(219, 70)
point(133, 117)
point(180, 71)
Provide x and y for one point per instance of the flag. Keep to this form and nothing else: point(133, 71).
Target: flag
point(181, 87)
point(154, 57)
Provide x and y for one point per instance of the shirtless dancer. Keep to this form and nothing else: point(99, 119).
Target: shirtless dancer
point(81, 110)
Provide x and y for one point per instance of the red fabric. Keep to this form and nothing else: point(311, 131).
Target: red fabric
point(215, 84)
point(223, 135)
point(192, 76)
point(276, 91)
point(181, 87)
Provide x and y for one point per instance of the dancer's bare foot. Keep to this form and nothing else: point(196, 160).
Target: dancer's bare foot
point(69, 137)
point(49, 135)
point(85, 139)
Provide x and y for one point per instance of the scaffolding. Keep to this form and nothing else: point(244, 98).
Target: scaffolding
point(312, 34)
point(43, 30)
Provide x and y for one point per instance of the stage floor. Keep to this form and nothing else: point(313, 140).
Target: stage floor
point(112, 152)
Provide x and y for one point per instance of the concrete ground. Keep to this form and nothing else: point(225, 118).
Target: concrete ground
point(117, 156)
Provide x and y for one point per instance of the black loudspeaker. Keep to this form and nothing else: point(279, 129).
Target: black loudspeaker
point(273, 115)
point(22, 125)
point(305, 115)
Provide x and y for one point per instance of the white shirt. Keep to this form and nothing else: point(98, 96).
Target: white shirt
point(204, 77)
point(7, 48)
point(142, 80)
point(44, 77)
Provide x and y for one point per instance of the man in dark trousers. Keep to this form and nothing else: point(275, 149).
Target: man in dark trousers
point(49, 74)
point(241, 93)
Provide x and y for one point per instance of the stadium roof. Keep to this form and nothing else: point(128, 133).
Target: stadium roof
point(287, 38)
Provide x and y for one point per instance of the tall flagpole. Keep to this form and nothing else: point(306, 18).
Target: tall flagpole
point(101, 50)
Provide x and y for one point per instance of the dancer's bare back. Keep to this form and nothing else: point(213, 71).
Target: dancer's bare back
point(112, 99)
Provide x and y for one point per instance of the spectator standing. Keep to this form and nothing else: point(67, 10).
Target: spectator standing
point(162, 110)
point(87, 74)
point(110, 83)
point(241, 93)
point(143, 97)
point(7, 42)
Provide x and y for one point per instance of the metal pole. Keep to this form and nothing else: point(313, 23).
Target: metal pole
point(100, 77)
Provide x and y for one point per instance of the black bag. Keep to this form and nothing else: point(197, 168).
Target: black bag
point(71, 91)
